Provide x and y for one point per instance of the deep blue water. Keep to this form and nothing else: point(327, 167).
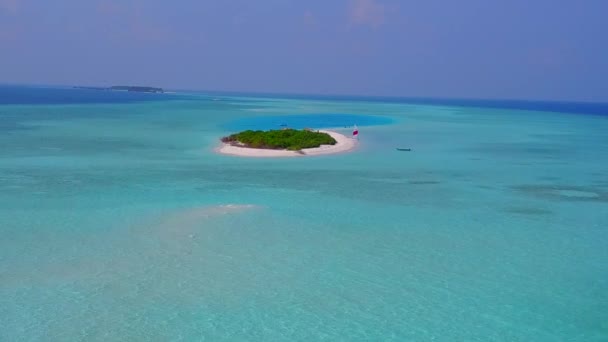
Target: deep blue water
point(593, 108)
point(11, 94)
point(16, 95)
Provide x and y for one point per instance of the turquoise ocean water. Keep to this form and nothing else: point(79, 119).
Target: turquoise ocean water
point(118, 222)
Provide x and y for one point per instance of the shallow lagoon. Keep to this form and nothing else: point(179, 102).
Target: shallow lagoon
point(119, 222)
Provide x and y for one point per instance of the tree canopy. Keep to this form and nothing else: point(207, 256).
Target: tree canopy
point(289, 139)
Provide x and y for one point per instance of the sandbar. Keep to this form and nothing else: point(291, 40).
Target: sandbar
point(343, 144)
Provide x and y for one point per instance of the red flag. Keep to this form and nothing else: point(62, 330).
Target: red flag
point(355, 131)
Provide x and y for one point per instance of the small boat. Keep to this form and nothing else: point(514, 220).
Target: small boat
point(404, 149)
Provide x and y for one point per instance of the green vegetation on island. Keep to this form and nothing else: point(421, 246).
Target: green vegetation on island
point(285, 139)
point(126, 88)
point(138, 89)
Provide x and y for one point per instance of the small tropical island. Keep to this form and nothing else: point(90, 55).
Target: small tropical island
point(285, 139)
point(285, 143)
point(139, 89)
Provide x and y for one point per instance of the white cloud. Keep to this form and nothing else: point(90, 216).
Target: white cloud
point(367, 13)
point(9, 6)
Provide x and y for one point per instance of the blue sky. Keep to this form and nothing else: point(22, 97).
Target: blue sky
point(519, 49)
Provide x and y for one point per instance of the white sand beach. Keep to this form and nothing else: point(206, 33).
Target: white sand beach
point(343, 144)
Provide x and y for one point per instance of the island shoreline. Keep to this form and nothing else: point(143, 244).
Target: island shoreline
point(343, 144)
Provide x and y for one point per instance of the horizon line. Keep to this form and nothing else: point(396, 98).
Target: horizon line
point(345, 96)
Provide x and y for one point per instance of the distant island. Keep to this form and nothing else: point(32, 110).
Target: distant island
point(126, 88)
point(284, 139)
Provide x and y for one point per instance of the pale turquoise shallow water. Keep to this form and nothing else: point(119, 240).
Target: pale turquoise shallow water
point(118, 222)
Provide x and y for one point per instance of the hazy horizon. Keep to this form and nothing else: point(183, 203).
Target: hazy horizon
point(380, 48)
point(312, 95)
